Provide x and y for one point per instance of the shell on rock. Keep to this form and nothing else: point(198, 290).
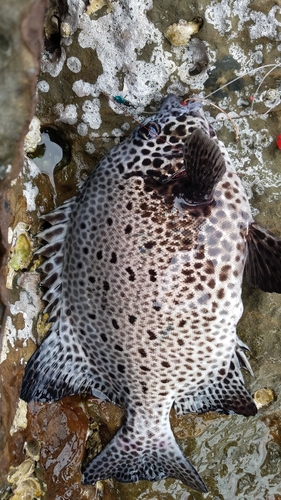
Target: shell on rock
point(179, 33)
point(264, 397)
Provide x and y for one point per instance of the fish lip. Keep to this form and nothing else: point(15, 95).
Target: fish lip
point(192, 107)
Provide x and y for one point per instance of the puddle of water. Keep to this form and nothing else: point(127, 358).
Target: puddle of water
point(52, 153)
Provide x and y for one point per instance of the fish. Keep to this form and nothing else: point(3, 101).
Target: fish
point(143, 270)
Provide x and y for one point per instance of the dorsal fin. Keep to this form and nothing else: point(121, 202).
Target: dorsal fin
point(52, 372)
point(204, 165)
point(53, 250)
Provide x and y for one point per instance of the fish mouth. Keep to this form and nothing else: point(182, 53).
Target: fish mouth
point(192, 107)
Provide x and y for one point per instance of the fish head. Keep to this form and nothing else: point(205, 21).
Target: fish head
point(161, 137)
point(173, 113)
point(191, 107)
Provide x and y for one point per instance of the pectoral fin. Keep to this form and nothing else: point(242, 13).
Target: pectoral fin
point(204, 165)
point(263, 265)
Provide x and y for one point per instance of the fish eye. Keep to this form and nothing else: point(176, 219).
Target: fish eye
point(149, 131)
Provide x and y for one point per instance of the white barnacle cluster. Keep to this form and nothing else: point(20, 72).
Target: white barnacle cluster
point(66, 114)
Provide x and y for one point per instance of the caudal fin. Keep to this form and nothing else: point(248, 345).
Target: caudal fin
point(131, 456)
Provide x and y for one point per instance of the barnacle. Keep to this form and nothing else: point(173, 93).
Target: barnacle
point(180, 33)
point(264, 397)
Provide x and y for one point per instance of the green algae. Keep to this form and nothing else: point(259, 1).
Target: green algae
point(22, 253)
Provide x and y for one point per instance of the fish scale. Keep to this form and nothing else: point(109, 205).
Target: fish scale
point(145, 269)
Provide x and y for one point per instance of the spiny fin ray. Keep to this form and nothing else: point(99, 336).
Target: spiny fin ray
point(54, 251)
point(242, 358)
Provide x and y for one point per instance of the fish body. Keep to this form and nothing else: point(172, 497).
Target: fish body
point(144, 269)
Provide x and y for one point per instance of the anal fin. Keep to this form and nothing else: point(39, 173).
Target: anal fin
point(263, 265)
point(226, 396)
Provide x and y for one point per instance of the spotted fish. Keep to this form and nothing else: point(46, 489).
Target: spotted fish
point(144, 271)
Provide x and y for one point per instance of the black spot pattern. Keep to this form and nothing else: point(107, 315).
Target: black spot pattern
point(145, 297)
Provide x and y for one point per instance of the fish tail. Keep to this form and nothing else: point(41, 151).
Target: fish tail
point(150, 455)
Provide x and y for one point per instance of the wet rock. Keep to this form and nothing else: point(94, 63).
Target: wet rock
point(61, 429)
point(20, 44)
